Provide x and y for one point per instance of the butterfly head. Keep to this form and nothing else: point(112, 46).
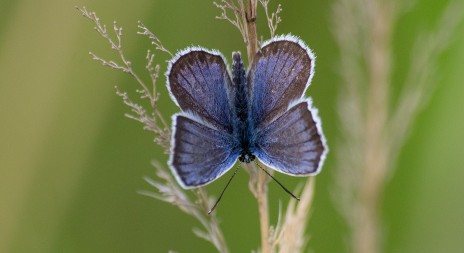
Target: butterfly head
point(246, 157)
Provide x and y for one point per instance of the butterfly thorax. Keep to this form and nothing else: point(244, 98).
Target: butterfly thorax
point(243, 127)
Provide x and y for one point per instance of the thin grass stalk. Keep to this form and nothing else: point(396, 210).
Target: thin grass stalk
point(366, 235)
point(249, 18)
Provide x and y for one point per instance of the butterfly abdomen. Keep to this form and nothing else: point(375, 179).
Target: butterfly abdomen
point(241, 94)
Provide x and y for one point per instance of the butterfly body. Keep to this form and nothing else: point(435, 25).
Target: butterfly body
point(243, 128)
point(246, 114)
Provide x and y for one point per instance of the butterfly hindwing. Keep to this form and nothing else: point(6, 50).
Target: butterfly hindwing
point(199, 152)
point(199, 82)
point(293, 143)
point(279, 74)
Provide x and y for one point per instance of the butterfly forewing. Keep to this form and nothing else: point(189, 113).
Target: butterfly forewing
point(279, 74)
point(199, 82)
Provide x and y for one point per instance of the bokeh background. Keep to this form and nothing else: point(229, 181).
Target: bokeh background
point(70, 163)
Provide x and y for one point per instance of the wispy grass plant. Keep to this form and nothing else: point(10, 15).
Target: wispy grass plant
point(373, 128)
point(289, 232)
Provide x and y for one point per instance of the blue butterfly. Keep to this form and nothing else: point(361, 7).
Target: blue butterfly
point(259, 113)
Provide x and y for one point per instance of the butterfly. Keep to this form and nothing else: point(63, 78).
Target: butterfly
point(246, 114)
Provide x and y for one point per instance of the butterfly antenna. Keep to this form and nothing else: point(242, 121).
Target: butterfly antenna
point(222, 193)
point(281, 185)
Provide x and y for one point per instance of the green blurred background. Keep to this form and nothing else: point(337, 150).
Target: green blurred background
point(70, 163)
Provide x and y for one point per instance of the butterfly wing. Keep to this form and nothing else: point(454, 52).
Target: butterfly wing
point(279, 74)
point(199, 152)
point(198, 82)
point(293, 143)
point(289, 137)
